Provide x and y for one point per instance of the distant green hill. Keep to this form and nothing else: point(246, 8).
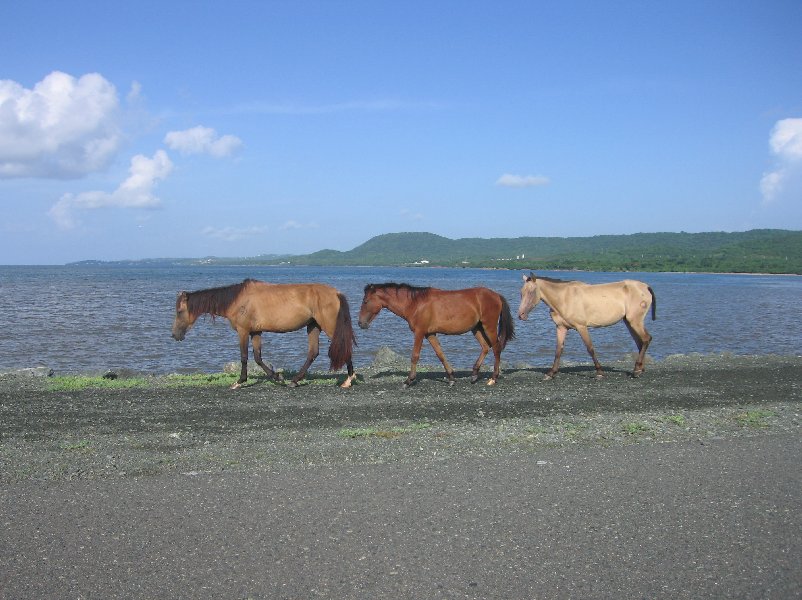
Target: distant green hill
point(755, 251)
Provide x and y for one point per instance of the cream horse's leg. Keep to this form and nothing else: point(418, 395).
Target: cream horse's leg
point(642, 340)
point(583, 331)
point(562, 331)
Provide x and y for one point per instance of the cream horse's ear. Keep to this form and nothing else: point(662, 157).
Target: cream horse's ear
point(525, 278)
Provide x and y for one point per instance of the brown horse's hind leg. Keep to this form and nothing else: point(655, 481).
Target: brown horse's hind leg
point(256, 342)
point(481, 337)
point(585, 334)
point(642, 340)
point(351, 376)
point(438, 350)
point(243, 356)
point(313, 336)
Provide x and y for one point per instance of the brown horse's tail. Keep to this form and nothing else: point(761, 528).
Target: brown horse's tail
point(654, 303)
point(344, 340)
point(506, 326)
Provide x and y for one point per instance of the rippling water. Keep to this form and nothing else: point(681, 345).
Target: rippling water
point(85, 319)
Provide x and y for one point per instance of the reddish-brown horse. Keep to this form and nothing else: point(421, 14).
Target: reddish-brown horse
point(253, 307)
point(430, 311)
point(578, 305)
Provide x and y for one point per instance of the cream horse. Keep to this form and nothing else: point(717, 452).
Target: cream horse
point(577, 305)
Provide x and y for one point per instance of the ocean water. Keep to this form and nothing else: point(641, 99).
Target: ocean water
point(85, 319)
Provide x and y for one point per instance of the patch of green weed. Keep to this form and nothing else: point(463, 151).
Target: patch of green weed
point(753, 418)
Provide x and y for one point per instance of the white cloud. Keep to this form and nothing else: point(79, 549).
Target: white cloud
point(233, 234)
point(135, 192)
point(64, 127)
point(786, 146)
point(202, 140)
point(407, 214)
point(291, 224)
point(522, 181)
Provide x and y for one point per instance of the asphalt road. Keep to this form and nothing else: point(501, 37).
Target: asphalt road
point(714, 519)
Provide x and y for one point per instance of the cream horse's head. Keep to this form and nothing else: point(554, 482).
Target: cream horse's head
point(530, 296)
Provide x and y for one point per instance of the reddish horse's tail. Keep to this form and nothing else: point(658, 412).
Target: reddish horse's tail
point(344, 340)
point(506, 326)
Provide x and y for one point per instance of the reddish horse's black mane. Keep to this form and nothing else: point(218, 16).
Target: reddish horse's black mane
point(214, 300)
point(413, 290)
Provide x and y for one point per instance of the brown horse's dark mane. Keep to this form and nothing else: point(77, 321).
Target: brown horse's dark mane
point(214, 300)
point(414, 291)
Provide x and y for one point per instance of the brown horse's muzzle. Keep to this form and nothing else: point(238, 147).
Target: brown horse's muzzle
point(363, 324)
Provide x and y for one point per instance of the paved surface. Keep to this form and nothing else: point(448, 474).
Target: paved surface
point(719, 519)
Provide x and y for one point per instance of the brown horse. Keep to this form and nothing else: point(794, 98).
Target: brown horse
point(430, 311)
point(577, 305)
point(253, 307)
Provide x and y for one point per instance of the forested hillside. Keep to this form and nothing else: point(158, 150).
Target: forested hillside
point(756, 251)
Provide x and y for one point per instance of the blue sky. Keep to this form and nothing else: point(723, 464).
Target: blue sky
point(184, 129)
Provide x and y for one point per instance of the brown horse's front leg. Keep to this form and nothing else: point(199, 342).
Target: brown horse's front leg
point(313, 337)
point(438, 350)
point(256, 342)
point(416, 347)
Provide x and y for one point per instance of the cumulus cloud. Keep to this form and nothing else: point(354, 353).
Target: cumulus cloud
point(135, 192)
point(522, 181)
point(62, 128)
point(785, 143)
point(202, 140)
point(233, 234)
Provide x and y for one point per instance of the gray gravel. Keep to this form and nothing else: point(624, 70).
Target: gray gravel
point(161, 429)
point(682, 484)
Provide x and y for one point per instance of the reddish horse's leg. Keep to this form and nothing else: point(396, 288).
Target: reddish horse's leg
point(642, 340)
point(256, 342)
point(416, 347)
point(479, 334)
point(313, 337)
point(585, 334)
point(438, 350)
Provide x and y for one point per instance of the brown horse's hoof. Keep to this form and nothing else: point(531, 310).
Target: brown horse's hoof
point(293, 384)
point(491, 382)
point(236, 386)
point(599, 376)
point(548, 377)
point(474, 378)
point(636, 374)
point(451, 383)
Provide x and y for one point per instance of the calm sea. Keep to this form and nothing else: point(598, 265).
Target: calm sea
point(82, 319)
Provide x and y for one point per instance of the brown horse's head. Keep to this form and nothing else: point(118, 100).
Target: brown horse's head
point(530, 296)
point(183, 319)
point(371, 305)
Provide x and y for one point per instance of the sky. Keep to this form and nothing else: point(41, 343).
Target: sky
point(190, 129)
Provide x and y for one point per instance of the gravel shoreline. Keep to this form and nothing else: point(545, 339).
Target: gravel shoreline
point(159, 429)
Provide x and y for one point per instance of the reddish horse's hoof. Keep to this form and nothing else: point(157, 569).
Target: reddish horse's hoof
point(599, 376)
point(548, 377)
point(636, 374)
